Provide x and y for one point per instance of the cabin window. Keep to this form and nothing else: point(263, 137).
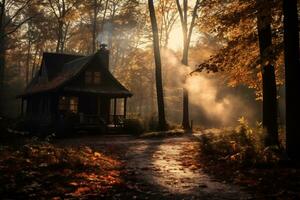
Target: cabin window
point(92, 77)
point(97, 77)
point(63, 103)
point(74, 104)
point(88, 77)
point(68, 104)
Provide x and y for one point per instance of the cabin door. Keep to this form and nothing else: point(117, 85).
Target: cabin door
point(88, 105)
point(104, 108)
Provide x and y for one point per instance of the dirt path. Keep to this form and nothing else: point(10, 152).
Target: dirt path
point(155, 169)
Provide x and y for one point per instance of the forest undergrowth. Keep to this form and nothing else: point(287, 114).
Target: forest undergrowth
point(239, 156)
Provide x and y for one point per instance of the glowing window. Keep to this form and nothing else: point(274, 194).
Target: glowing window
point(74, 104)
point(68, 104)
point(97, 77)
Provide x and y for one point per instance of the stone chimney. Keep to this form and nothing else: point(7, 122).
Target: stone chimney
point(103, 54)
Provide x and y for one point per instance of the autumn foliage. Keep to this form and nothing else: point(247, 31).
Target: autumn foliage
point(42, 170)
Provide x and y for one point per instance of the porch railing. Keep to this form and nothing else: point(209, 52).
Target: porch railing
point(116, 119)
point(90, 119)
point(97, 119)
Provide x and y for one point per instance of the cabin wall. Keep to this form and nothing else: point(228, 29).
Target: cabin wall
point(54, 106)
point(40, 106)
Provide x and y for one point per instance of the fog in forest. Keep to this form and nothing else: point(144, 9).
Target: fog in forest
point(212, 102)
point(128, 36)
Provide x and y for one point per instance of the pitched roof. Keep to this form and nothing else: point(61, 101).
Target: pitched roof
point(54, 62)
point(58, 69)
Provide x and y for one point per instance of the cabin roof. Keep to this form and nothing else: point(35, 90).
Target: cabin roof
point(57, 70)
point(54, 62)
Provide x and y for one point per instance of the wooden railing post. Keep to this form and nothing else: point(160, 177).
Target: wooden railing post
point(22, 107)
point(115, 110)
point(125, 106)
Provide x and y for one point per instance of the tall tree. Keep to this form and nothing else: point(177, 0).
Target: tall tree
point(167, 16)
point(63, 11)
point(268, 71)
point(233, 25)
point(96, 9)
point(187, 34)
point(2, 46)
point(97, 6)
point(10, 22)
point(159, 87)
point(292, 71)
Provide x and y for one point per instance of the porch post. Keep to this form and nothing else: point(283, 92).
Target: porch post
point(125, 102)
point(98, 105)
point(115, 110)
point(22, 107)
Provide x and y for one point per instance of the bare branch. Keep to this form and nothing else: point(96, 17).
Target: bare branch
point(194, 16)
point(180, 12)
point(17, 12)
point(19, 25)
point(53, 9)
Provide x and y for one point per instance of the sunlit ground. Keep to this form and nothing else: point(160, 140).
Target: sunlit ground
point(125, 167)
point(162, 164)
point(182, 178)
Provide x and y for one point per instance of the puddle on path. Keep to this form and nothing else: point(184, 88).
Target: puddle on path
point(159, 164)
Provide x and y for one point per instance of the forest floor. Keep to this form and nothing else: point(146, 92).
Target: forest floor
point(158, 169)
point(126, 167)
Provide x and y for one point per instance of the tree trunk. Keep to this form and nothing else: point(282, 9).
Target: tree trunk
point(292, 71)
point(268, 72)
point(159, 87)
point(64, 37)
point(104, 17)
point(185, 113)
point(185, 96)
point(28, 60)
point(2, 53)
point(2, 61)
point(2, 67)
point(187, 34)
point(34, 62)
point(270, 105)
point(59, 36)
point(94, 33)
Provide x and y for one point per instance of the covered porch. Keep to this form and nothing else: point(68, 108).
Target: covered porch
point(111, 111)
point(83, 110)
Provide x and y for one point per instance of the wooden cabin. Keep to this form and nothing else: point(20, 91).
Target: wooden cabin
point(75, 87)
